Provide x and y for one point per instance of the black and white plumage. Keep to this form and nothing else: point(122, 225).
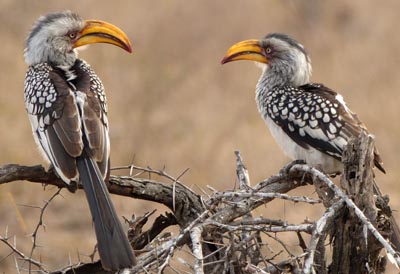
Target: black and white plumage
point(309, 121)
point(67, 108)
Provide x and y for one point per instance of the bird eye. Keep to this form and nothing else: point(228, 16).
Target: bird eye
point(268, 50)
point(72, 35)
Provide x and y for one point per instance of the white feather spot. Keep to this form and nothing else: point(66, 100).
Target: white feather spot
point(313, 123)
point(46, 119)
point(326, 118)
point(30, 108)
point(332, 128)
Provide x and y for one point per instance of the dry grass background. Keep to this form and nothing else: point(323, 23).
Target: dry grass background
point(172, 104)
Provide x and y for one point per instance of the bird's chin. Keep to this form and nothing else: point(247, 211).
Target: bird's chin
point(262, 66)
point(81, 48)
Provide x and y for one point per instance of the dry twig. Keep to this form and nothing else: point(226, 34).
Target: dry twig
point(222, 232)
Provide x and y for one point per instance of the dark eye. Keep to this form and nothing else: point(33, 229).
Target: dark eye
point(71, 35)
point(268, 50)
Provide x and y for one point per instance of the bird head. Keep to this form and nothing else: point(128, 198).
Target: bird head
point(55, 36)
point(277, 54)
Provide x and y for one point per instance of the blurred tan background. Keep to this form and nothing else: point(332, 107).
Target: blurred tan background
point(172, 104)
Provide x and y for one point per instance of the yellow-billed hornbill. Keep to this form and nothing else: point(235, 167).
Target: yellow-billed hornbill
point(309, 121)
point(67, 108)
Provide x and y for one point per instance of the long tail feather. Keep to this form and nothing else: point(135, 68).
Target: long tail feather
point(113, 245)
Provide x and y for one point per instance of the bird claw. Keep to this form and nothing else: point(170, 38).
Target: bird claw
point(285, 170)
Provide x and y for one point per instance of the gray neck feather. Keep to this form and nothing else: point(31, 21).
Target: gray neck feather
point(39, 51)
point(291, 68)
point(294, 70)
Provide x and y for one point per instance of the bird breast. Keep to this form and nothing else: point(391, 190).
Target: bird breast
point(311, 156)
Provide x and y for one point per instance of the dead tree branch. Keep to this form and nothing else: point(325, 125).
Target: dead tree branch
point(39, 224)
point(222, 231)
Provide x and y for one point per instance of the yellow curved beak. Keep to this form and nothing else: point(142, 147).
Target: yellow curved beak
point(96, 31)
point(245, 50)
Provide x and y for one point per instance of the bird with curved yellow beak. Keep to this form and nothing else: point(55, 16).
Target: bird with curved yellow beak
point(67, 108)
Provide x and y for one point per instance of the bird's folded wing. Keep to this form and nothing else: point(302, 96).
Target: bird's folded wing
point(94, 116)
point(55, 118)
point(317, 117)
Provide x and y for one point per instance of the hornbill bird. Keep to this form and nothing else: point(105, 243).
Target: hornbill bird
point(67, 108)
point(309, 121)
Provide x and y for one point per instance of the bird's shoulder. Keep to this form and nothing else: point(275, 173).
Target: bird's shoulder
point(314, 97)
point(37, 80)
point(40, 93)
point(95, 83)
point(46, 94)
point(96, 86)
point(344, 112)
point(318, 88)
point(314, 115)
point(96, 96)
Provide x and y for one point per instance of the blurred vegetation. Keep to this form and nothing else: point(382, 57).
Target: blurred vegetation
point(172, 104)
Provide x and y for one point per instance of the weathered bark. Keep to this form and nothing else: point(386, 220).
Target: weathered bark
point(228, 238)
point(355, 251)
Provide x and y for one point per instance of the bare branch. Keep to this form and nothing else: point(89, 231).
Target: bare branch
point(13, 247)
point(264, 196)
point(242, 172)
point(350, 204)
point(39, 224)
point(221, 231)
point(321, 227)
point(195, 236)
point(297, 228)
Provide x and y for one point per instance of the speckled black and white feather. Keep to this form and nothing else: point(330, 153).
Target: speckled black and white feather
point(48, 95)
point(40, 94)
point(309, 121)
point(67, 108)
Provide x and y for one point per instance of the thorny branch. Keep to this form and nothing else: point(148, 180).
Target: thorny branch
point(29, 259)
point(39, 224)
point(13, 247)
point(222, 231)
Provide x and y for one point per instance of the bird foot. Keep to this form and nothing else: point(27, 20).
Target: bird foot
point(285, 170)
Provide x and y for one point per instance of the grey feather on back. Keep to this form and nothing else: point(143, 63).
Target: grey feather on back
point(68, 126)
point(94, 115)
point(60, 158)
